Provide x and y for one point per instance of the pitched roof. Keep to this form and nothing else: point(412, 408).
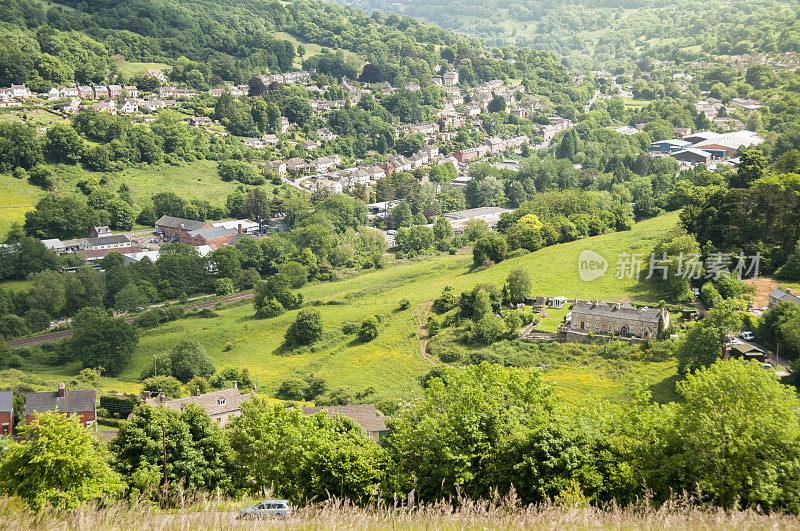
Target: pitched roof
point(364, 414)
point(783, 296)
point(188, 224)
point(624, 310)
point(71, 402)
point(215, 402)
point(108, 240)
point(6, 401)
point(212, 232)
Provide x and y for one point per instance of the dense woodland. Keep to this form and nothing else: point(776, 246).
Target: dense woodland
point(616, 33)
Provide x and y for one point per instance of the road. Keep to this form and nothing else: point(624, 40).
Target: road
point(64, 334)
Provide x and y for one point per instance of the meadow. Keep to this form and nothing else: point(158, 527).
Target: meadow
point(496, 514)
point(393, 363)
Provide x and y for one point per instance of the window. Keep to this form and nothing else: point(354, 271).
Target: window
point(221, 401)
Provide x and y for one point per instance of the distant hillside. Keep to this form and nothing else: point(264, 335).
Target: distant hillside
point(591, 33)
point(207, 41)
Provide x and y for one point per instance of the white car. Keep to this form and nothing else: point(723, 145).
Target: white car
point(747, 335)
point(267, 508)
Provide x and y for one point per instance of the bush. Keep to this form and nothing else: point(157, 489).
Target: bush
point(37, 320)
point(489, 328)
point(168, 385)
point(404, 304)
point(306, 328)
point(368, 330)
point(271, 308)
point(189, 359)
point(224, 286)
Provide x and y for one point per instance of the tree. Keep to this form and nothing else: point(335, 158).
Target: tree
point(58, 464)
point(303, 457)
point(298, 110)
point(168, 385)
point(442, 229)
point(296, 272)
point(102, 341)
point(705, 340)
point(306, 328)
point(734, 438)
point(62, 144)
point(130, 299)
point(257, 205)
point(491, 247)
point(489, 328)
point(19, 146)
point(497, 104)
point(568, 146)
point(189, 359)
point(198, 456)
point(369, 329)
point(456, 438)
point(751, 168)
point(518, 284)
point(416, 238)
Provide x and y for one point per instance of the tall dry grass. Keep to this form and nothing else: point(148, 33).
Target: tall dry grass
point(500, 514)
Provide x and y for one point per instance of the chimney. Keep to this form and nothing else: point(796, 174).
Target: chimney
point(617, 305)
point(255, 389)
point(239, 228)
point(197, 391)
point(235, 385)
point(789, 291)
point(146, 395)
point(348, 401)
point(62, 390)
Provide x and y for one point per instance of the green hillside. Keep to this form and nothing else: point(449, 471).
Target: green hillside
point(393, 363)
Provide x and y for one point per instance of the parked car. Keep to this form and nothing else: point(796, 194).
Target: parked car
point(767, 366)
point(733, 342)
point(747, 335)
point(696, 292)
point(266, 509)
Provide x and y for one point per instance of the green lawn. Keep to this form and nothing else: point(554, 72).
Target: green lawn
point(314, 49)
point(132, 68)
point(17, 196)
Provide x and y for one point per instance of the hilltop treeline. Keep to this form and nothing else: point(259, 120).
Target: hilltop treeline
point(213, 40)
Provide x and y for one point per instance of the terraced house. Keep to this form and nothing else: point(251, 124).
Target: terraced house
point(621, 319)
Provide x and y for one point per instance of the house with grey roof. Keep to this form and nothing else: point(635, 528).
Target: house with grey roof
point(115, 241)
point(617, 318)
point(80, 403)
point(221, 405)
point(365, 415)
point(778, 296)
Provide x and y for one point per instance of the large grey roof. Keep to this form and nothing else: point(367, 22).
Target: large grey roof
point(71, 402)
point(6, 401)
point(188, 224)
point(108, 240)
point(364, 414)
point(624, 311)
point(212, 232)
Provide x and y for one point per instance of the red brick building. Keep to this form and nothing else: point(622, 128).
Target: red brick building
point(467, 154)
point(81, 403)
point(6, 412)
point(178, 228)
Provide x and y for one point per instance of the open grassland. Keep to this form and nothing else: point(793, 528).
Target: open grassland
point(314, 49)
point(133, 68)
point(505, 514)
point(392, 363)
point(190, 180)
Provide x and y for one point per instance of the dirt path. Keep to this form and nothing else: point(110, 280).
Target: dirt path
point(421, 313)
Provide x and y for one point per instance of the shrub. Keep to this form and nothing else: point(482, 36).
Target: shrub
point(224, 286)
point(168, 385)
point(271, 308)
point(368, 330)
point(306, 328)
point(404, 304)
point(433, 326)
point(489, 328)
point(189, 359)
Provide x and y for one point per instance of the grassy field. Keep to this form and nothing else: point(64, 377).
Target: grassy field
point(392, 363)
point(505, 513)
point(132, 68)
point(314, 49)
point(195, 180)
